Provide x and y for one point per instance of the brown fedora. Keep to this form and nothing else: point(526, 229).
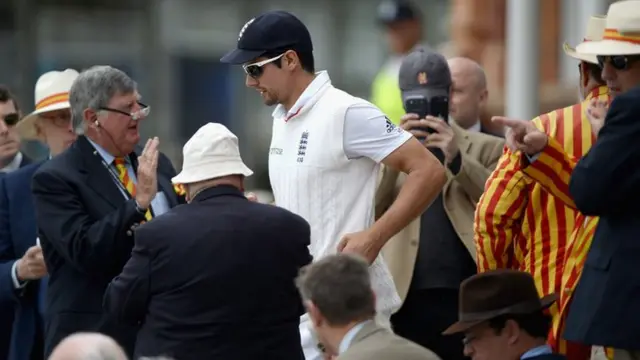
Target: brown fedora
point(494, 293)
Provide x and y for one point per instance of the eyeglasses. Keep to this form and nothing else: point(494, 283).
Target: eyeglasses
point(255, 70)
point(11, 119)
point(618, 62)
point(61, 121)
point(136, 115)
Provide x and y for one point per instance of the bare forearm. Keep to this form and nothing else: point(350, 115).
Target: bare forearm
point(421, 187)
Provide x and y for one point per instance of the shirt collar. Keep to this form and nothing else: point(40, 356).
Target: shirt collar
point(14, 164)
point(321, 79)
point(475, 127)
point(348, 337)
point(537, 351)
point(106, 156)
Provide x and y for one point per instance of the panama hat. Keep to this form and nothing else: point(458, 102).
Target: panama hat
point(490, 294)
point(212, 152)
point(595, 30)
point(51, 93)
point(622, 31)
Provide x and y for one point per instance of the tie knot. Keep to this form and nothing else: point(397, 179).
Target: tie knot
point(119, 161)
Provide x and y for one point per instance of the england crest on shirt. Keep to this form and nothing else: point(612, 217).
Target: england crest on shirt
point(302, 146)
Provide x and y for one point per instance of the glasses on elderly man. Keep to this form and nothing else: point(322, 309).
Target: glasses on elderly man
point(135, 115)
point(11, 119)
point(255, 70)
point(618, 62)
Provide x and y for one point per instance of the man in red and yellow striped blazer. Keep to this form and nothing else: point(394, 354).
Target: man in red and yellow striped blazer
point(523, 225)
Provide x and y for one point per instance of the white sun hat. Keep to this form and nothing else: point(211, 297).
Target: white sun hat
point(212, 152)
point(622, 31)
point(595, 30)
point(51, 93)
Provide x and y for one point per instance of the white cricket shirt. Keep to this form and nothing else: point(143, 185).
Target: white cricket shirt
point(323, 165)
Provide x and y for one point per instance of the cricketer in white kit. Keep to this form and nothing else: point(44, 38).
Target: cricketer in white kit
point(325, 155)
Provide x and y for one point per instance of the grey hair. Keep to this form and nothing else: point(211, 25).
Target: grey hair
point(340, 287)
point(94, 88)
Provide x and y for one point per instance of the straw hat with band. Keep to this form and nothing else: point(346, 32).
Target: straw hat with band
point(490, 294)
point(622, 31)
point(595, 30)
point(51, 93)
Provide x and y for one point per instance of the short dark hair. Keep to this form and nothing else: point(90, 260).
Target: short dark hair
point(306, 59)
point(340, 287)
point(595, 71)
point(6, 96)
point(536, 324)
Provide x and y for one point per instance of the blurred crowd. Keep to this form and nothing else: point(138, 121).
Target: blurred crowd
point(398, 227)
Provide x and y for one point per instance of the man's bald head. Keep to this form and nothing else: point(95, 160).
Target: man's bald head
point(469, 68)
point(88, 346)
point(469, 91)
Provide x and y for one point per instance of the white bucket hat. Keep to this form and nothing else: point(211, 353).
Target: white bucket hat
point(621, 34)
point(595, 30)
point(52, 93)
point(211, 152)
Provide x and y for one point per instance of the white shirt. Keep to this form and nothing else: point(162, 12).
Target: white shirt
point(323, 165)
point(14, 164)
point(349, 336)
point(368, 132)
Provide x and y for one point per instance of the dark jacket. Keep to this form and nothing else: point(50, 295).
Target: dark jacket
point(214, 279)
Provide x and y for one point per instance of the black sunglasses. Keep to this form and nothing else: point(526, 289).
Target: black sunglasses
point(11, 119)
point(255, 70)
point(618, 62)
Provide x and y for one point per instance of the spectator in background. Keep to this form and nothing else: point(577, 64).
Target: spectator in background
point(435, 253)
point(469, 93)
point(502, 317)
point(236, 299)
point(402, 23)
point(90, 198)
point(10, 159)
point(88, 346)
point(337, 293)
point(23, 272)
point(10, 156)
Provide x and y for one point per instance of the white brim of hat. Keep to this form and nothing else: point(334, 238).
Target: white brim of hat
point(26, 126)
point(590, 58)
point(608, 47)
point(200, 172)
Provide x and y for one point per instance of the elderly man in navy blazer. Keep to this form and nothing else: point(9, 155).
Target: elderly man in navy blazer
point(214, 279)
point(23, 272)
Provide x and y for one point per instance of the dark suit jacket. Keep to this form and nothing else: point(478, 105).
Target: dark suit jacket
point(606, 183)
point(214, 279)
point(7, 256)
point(86, 232)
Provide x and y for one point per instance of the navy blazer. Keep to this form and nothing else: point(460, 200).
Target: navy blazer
point(606, 183)
point(18, 232)
point(215, 280)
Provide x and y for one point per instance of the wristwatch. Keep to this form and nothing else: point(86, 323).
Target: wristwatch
point(139, 208)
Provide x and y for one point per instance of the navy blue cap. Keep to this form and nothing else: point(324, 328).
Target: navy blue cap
point(271, 31)
point(391, 11)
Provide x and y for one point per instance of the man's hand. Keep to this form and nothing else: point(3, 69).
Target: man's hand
point(522, 135)
point(251, 197)
point(444, 138)
point(31, 266)
point(596, 112)
point(361, 243)
point(147, 185)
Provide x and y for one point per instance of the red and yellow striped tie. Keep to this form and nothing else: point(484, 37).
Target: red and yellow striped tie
point(123, 174)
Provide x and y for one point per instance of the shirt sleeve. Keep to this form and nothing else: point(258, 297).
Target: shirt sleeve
point(368, 132)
